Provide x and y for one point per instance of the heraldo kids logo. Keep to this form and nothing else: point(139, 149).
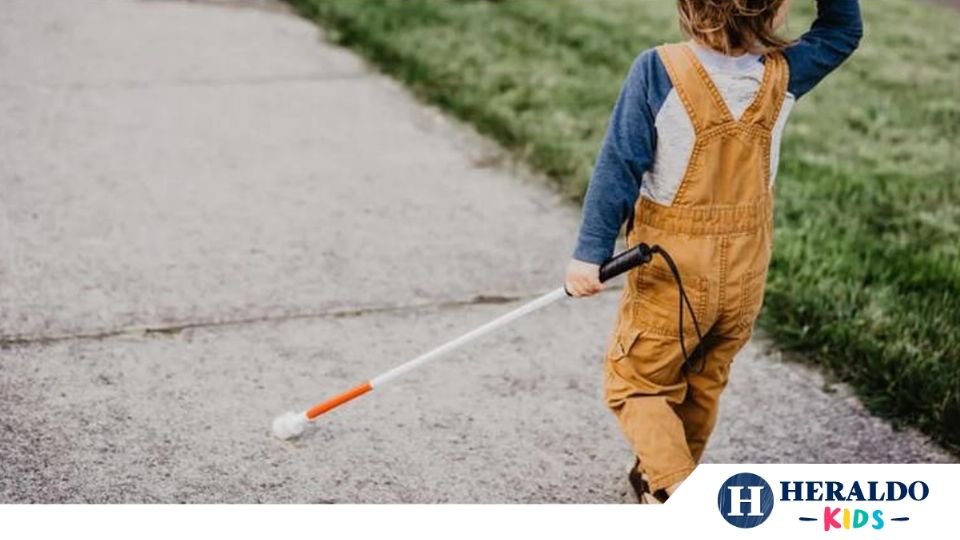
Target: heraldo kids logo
point(746, 500)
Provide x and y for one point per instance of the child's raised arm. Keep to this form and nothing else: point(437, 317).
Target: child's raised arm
point(834, 36)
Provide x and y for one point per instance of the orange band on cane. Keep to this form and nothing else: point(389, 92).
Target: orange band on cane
point(335, 402)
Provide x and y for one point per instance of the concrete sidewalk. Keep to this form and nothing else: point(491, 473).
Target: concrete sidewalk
point(209, 216)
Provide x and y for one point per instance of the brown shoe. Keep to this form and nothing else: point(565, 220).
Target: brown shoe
point(641, 488)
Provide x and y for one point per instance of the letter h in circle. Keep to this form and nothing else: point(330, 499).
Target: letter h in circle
point(737, 501)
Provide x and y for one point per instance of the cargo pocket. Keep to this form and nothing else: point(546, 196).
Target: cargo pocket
point(658, 300)
point(621, 343)
point(752, 286)
point(640, 363)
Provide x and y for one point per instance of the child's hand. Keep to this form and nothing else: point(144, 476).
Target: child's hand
point(583, 278)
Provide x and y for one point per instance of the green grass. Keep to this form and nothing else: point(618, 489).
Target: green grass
point(866, 273)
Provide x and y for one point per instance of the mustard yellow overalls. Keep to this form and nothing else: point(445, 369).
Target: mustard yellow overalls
point(719, 231)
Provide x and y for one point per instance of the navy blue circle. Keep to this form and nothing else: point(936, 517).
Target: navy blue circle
point(756, 504)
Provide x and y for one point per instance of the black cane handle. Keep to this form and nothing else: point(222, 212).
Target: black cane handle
point(628, 260)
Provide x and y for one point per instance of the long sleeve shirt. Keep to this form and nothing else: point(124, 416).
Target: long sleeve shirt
point(648, 115)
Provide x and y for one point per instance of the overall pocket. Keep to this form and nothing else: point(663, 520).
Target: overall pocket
point(658, 300)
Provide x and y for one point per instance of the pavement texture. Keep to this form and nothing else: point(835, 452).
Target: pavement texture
point(210, 216)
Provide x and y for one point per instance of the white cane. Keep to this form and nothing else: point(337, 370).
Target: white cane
point(292, 424)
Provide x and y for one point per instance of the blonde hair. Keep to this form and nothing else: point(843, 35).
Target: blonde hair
point(731, 26)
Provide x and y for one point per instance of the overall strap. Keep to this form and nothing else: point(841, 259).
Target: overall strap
point(765, 109)
point(701, 99)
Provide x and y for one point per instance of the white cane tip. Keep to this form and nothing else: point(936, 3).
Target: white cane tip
point(289, 425)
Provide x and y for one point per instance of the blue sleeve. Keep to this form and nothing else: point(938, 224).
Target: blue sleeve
point(834, 36)
point(627, 153)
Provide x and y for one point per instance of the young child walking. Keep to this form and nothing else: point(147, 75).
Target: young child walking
point(689, 163)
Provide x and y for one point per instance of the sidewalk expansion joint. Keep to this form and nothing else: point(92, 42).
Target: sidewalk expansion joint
point(176, 327)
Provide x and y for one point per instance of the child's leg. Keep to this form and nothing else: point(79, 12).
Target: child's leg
point(698, 412)
point(644, 382)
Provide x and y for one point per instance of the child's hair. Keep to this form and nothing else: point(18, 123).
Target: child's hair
point(732, 25)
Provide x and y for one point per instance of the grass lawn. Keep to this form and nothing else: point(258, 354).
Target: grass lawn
point(866, 272)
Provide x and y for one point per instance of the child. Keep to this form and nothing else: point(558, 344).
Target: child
point(689, 163)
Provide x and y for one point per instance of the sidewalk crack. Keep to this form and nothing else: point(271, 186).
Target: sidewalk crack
point(176, 327)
